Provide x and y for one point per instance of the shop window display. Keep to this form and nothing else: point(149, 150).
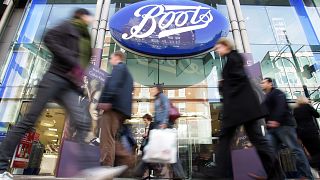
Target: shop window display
point(50, 130)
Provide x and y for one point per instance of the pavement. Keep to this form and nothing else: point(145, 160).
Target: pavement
point(54, 178)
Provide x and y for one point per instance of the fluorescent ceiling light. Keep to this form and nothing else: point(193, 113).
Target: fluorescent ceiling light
point(53, 129)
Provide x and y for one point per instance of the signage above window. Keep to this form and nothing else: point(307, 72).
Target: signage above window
point(168, 28)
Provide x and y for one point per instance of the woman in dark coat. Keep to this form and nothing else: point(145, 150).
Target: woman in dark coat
point(307, 129)
point(241, 107)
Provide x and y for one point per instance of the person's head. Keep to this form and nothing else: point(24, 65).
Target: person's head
point(156, 89)
point(84, 15)
point(301, 100)
point(223, 47)
point(147, 118)
point(266, 84)
point(117, 57)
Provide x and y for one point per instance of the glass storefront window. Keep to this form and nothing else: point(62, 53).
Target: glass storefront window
point(28, 59)
point(285, 18)
point(257, 23)
point(9, 110)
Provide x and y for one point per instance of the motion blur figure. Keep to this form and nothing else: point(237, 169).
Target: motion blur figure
point(307, 129)
point(116, 101)
point(144, 169)
point(240, 107)
point(282, 127)
point(69, 43)
point(161, 121)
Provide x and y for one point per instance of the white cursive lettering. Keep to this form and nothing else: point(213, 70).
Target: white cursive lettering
point(170, 19)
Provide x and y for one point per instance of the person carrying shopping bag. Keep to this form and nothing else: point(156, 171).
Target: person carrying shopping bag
point(162, 121)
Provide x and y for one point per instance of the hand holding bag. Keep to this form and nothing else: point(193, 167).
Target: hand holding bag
point(162, 146)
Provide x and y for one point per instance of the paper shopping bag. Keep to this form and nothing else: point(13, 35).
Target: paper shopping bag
point(162, 146)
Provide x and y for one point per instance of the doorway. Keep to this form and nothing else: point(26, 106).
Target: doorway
point(42, 155)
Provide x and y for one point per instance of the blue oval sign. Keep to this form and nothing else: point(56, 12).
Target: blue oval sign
point(168, 28)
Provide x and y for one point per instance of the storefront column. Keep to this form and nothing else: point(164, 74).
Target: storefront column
point(234, 26)
point(242, 26)
point(6, 15)
point(96, 22)
point(103, 24)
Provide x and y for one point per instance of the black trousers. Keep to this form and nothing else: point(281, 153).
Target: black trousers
point(258, 139)
point(52, 87)
point(312, 144)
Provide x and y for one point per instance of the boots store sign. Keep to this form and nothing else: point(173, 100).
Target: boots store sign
point(168, 28)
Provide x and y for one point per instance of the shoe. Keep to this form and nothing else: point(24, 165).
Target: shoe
point(101, 173)
point(6, 176)
point(95, 141)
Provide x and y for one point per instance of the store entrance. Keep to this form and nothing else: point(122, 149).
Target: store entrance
point(41, 152)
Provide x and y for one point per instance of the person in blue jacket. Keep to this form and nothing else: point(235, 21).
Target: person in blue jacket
point(161, 121)
point(162, 107)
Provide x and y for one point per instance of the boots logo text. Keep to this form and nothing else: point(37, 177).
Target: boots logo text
point(168, 29)
point(170, 19)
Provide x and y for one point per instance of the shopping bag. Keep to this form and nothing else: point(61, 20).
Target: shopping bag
point(162, 146)
point(246, 161)
point(75, 157)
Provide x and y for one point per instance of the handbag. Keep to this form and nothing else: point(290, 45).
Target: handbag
point(162, 146)
point(174, 113)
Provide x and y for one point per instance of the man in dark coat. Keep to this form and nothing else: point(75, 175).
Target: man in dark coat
point(70, 45)
point(282, 126)
point(116, 101)
point(241, 107)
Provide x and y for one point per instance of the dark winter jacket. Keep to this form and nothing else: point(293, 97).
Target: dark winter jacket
point(305, 116)
point(240, 102)
point(278, 109)
point(118, 90)
point(63, 42)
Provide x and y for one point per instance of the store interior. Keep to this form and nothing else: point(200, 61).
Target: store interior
point(45, 151)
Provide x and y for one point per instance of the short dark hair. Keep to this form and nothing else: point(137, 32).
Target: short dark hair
point(120, 54)
point(268, 79)
point(148, 117)
point(80, 12)
point(159, 87)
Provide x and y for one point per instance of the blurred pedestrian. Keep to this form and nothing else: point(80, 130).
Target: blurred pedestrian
point(161, 121)
point(282, 127)
point(307, 128)
point(144, 169)
point(116, 101)
point(240, 107)
point(70, 45)
point(149, 125)
point(161, 107)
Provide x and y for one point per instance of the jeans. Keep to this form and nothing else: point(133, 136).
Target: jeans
point(52, 87)
point(264, 149)
point(287, 135)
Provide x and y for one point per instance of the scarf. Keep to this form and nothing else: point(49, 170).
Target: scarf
point(84, 42)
